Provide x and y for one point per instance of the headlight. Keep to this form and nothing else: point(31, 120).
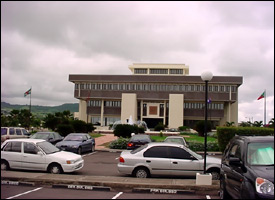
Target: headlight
point(264, 186)
point(70, 161)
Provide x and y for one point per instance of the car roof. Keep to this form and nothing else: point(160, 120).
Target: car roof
point(45, 132)
point(164, 144)
point(254, 138)
point(26, 140)
point(78, 134)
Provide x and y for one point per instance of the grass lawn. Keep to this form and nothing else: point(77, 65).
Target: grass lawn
point(188, 138)
point(95, 135)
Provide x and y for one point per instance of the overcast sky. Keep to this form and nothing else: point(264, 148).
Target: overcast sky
point(43, 42)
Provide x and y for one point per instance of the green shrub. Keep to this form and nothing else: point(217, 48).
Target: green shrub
point(65, 129)
point(199, 146)
point(199, 127)
point(183, 128)
point(120, 143)
point(125, 130)
point(159, 127)
point(226, 133)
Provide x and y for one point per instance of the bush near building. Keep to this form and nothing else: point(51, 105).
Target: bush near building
point(125, 130)
point(226, 133)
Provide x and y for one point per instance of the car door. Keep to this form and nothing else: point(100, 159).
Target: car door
point(233, 173)
point(31, 158)
point(158, 160)
point(12, 152)
point(183, 163)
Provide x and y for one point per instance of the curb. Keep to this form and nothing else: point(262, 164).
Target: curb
point(82, 187)
point(162, 191)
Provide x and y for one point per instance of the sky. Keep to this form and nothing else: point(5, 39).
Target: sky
point(43, 42)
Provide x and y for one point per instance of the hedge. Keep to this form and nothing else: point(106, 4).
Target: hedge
point(226, 133)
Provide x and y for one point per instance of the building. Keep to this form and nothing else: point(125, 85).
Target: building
point(156, 93)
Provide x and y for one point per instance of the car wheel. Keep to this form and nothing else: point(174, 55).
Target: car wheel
point(215, 175)
point(93, 148)
point(55, 169)
point(223, 192)
point(141, 172)
point(79, 150)
point(5, 165)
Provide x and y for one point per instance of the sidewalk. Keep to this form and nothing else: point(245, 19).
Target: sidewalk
point(104, 139)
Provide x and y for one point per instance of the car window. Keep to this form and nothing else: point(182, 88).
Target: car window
point(25, 132)
point(43, 136)
point(11, 131)
point(30, 148)
point(139, 149)
point(157, 152)
point(4, 131)
point(73, 138)
point(179, 153)
point(18, 131)
point(235, 151)
point(13, 147)
point(260, 154)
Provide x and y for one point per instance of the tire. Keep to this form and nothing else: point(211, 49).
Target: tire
point(93, 148)
point(79, 150)
point(215, 175)
point(55, 169)
point(141, 172)
point(223, 193)
point(5, 165)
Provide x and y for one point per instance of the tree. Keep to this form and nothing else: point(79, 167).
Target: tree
point(258, 123)
point(199, 127)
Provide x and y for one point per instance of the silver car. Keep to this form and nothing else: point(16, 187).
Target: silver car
point(176, 139)
point(166, 159)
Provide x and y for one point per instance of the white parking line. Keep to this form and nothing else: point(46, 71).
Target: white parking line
point(117, 195)
point(24, 193)
point(89, 154)
point(208, 197)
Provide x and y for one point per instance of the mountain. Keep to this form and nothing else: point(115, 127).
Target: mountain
point(40, 110)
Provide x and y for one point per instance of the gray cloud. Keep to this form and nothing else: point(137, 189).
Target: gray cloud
point(44, 42)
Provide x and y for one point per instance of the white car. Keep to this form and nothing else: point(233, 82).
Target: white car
point(170, 159)
point(38, 154)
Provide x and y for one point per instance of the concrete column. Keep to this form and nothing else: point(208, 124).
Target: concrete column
point(128, 107)
point(82, 110)
point(175, 110)
point(102, 113)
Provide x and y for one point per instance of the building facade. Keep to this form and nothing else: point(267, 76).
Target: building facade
point(156, 93)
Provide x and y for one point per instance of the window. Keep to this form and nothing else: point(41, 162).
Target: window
point(12, 131)
point(179, 153)
point(140, 71)
point(13, 146)
point(157, 152)
point(176, 71)
point(235, 151)
point(158, 71)
point(30, 148)
point(18, 132)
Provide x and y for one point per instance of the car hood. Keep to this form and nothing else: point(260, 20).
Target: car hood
point(266, 172)
point(67, 155)
point(68, 143)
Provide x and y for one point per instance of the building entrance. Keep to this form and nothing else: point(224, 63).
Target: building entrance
point(152, 122)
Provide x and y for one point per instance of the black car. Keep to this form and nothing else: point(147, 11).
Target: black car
point(51, 137)
point(138, 140)
point(247, 168)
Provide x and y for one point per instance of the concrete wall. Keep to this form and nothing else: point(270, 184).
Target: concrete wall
point(128, 107)
point(82, 110)
point(175, 110)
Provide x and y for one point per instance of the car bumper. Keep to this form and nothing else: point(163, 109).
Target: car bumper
point(124, 169)
point(73, 167)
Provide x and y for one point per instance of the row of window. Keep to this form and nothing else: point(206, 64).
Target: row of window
point(195, 105)
point(158, 71)
point(155, 87)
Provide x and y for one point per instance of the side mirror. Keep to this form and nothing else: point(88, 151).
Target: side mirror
point(235, 161)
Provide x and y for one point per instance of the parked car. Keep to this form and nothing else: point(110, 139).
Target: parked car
point(138, 140)
point(247, 168)
point(159, 158)
point(13, 132)
point(51, 137)
point(176, 139)
point(77, 143)
point(37, 154)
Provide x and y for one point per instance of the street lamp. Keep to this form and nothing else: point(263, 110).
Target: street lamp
point(205, 76)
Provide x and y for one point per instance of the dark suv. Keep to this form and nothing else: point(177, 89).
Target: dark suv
point(247, 169)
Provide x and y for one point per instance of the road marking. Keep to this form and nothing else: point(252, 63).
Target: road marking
point(208, 197)
point(117, 195)
point(24, 193)
point(89, 154)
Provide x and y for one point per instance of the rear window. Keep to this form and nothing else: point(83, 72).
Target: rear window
point(139, 149)
point(4, 131)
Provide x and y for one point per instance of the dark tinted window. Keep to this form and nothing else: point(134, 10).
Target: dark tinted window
point(143, 138)
point(3, 131)
point(25, 132)
point(179, 153)
point(157, 152)
point(12, 131)
point(18, 132)
point(235, 151)
point(13, 147)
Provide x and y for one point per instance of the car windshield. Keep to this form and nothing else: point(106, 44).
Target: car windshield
point(40, 136)
point(260, 153)
point(140, 138)
point(73, 138)
point(47, 147)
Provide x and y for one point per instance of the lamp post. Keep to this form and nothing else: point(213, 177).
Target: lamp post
point(206, 77)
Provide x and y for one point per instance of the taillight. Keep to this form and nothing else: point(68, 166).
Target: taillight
point(130, 144)
point(121, 160)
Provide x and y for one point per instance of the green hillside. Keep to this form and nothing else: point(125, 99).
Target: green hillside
point(40, 111)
